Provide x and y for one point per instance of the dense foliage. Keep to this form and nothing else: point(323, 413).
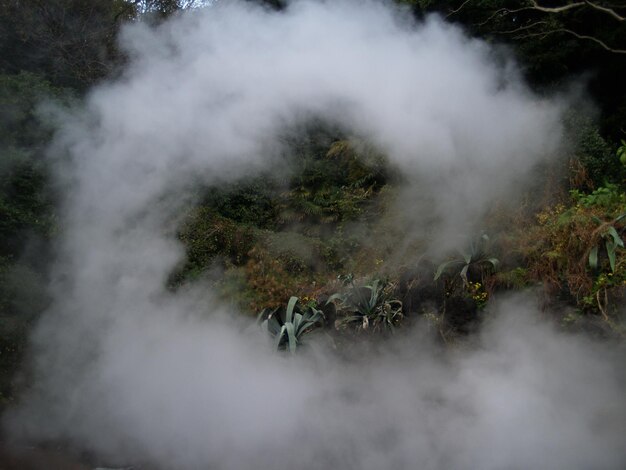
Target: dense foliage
point(51, 51)
point(266, 239)
point(27, 213)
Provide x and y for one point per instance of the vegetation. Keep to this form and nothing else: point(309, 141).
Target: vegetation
point(288, 333)
point(288, 238)
point(367, 307)
point(27, 213)
point(473, 263)
point(555, 40)
point(278, 237)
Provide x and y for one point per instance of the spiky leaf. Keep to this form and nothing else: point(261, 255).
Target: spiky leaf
point(464, 273)
point(617, 240)
point(443, 266)
point(593, 257)
point(291, 337)
point(495, 262)
point(279, 337)
point(290, 306)
point(610, 250)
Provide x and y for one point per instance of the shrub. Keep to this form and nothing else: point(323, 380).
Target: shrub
point(593, 152)
point(207, 236)
point(569, 248)
point(269, 280)
point(608, 197)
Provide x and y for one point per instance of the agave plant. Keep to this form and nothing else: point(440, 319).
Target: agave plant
point(475, 258)
point(612, 240)
point(367, 306)
point(288, 334)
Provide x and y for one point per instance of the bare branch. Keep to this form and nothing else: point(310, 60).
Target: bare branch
point(458, 9)
point(608, 11)
point(569, 6)
point(551, 10)
point(595, 6)
point(580, 36)
point(506, 11)
point(524, 28)
point(536, 6)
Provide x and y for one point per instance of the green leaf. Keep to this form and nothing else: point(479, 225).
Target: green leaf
point(296, 321)
point(333, 297)
point(622, 149)
point(495, 262)
point(467, 256)
point(619, 218)
point(610, 249)
point(308, 323)
point(593, 257)
point(265, 314)
point(464, 273)
point(290, 306)
point(302, 327)
point(291, 336)
point(272, 325)
point(279, 337)
point(374, 294)
point(443, 266)
point(351, 319)
point(616, 238)
point(313, 315)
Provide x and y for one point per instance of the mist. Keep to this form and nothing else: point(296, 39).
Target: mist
point(135, 372)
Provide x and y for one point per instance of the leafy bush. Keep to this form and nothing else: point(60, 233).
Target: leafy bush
point(609, 197)
point(593, 152)
point(569, 248)
point(269, 280)
point(27, 214)
point(251, 202)
point(207, 237)
point(332, 183)
point(26, 201)
point(287, 238)
point(516, 278)
point(22, 124)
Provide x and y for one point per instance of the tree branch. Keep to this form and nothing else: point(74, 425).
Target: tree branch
point(595, 6)
point(524, 28)
point(608, 11)
point(452, 12)
point(506, 11)
point(580, 36)
point(536, 6)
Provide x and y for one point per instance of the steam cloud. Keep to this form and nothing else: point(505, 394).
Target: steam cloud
point(132, 371)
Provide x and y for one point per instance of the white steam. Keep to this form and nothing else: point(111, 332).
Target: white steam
point(132, 371)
